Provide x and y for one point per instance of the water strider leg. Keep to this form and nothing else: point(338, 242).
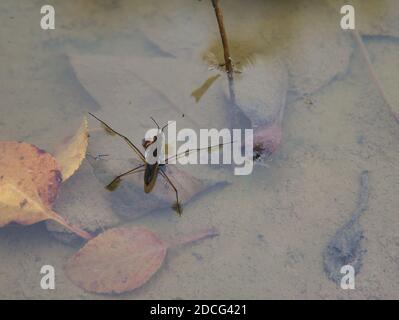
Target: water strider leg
point(115, 183)
point(177, 207)
point(130, 143)
point(188, 151)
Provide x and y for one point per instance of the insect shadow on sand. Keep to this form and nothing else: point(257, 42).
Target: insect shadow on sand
point(344, 248)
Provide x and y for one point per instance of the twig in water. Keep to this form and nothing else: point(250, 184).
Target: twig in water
point(223, 35)
point(226, 51)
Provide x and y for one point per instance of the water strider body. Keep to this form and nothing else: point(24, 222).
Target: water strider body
point(153, 161)
point(151, 168)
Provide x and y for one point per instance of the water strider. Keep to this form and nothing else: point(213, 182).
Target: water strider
point(153, 163)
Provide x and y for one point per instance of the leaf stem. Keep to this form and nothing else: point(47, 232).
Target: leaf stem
point(212, 232)
point(76, 230)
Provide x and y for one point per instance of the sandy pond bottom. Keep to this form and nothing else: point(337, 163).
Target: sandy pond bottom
point(274, 224)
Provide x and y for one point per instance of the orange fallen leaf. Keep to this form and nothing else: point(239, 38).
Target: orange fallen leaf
point(122, 259)
point(71, 155)
point(29, 183)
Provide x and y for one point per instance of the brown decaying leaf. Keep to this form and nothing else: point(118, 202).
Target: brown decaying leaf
point(122, 259)
point(29, 183)
point(72, 153)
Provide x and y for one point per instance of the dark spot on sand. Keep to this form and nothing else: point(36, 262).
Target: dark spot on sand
point(197, 256)
point(344, 248)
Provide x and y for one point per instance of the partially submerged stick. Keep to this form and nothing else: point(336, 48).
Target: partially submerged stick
point(372, 72)
point(226, 51)
point(223, 35)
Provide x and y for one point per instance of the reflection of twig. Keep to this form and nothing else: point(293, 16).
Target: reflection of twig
point(372, 72)
point(223, 35)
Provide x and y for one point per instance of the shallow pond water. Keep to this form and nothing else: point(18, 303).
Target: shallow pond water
point(128, 60)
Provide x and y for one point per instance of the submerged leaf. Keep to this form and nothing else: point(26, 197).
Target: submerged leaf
point(129, 199)
point(30, 168)
point(385, 59)
point(313, 47)
point(135, 89)
point(29, 183)
point(128, 196)
point(305, 35)
point(261, 89)
point(71, 154)
point(121, 259)
point(19, 205)
point(162, 21)
point(130, 91)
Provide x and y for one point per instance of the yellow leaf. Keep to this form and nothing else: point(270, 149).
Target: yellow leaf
point(71, 155)
point(29, 183)
point(19, 206)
